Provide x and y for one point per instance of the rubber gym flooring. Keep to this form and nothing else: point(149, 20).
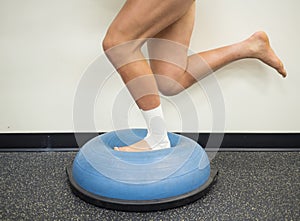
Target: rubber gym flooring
point(250, 186)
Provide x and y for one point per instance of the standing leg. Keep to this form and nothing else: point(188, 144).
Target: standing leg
point(140, 19)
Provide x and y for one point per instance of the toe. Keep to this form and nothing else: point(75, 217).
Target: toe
point(282, 70)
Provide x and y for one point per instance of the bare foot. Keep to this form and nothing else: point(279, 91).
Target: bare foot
point(260, 48)
point(140, 146)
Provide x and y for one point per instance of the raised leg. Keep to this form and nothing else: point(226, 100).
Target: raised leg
point(174, 75)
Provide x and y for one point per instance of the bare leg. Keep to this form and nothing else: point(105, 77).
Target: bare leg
point(176, 77)
point(175, 71)
point(137, 20)
point(140, 19)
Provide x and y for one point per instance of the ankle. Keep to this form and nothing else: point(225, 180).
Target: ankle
point(158, 142)
point(256, 44)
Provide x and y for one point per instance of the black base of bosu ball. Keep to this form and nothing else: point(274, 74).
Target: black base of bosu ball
point(144, 181)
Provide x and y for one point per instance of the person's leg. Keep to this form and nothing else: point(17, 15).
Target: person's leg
point(173, 77)
point(139, 19)
point(174, 71)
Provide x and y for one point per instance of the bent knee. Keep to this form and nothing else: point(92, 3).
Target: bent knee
point(169, 85)
point(169, 91)
point(168, 77)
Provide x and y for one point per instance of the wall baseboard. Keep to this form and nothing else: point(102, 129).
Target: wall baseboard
point(231, 141)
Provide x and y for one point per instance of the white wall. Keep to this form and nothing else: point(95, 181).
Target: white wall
point(46, 46)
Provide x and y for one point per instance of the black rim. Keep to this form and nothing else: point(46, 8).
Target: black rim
point(142, 205)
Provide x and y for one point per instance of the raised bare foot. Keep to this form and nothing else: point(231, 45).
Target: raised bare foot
point(140, 146)
point(260, 48)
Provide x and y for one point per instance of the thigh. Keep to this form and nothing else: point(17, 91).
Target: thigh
point(145, 19)
point(181, 30)
point(168, 50)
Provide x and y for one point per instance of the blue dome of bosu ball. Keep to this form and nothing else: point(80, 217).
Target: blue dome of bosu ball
point(140, 181)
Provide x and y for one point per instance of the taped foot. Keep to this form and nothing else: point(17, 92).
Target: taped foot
point(142, 146)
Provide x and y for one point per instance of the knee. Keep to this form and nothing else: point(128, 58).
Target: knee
point(168, 78)
point(120, 48)
point(117, 36)
point(169, 85)
point(111, 39)
point(169, 90)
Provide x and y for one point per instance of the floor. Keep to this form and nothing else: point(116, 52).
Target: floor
point(250, 186)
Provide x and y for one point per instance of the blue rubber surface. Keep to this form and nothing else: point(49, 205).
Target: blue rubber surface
point(150, 175)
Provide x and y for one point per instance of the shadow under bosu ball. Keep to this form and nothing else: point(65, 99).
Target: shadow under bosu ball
point(143, 181)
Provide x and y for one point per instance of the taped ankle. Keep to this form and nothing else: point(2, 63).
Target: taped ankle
point(157, 136)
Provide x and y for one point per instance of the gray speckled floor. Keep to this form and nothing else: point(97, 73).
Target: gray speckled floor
point(251, 186)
